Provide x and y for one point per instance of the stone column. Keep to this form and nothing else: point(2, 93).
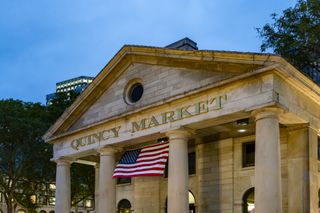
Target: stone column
point(313, 169)
point(268, 196)
point(178, 171)
point(298, 170)
point(63, 187)
point(107, 184)
point(96, 187)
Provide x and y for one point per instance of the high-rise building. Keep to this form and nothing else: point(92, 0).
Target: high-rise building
point(77, 84)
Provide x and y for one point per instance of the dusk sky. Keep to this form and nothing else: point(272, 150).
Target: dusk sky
point(43, 41)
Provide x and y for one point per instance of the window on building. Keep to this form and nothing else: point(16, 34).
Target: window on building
point(318, 147)
point(33, 199)
point(124, 206)
point(191, 165)
point(248, 201)
point(52, 201)
point(88, 203)
point(248, 152)
point(42, 211)
point(123, 180)
point(42, 200)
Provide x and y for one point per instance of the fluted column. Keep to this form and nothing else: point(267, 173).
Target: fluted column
point(268, 196)
point(63, 187)
point(178, 171)
point(96, 187)
point(107, 184)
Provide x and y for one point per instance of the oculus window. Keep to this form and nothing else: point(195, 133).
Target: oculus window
point(133, 91)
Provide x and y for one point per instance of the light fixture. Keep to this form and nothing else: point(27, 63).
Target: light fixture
point(243, 122)
point(241, 130)
point(160, 140)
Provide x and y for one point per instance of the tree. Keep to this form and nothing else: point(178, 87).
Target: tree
point(295, 35)
point(24, 157)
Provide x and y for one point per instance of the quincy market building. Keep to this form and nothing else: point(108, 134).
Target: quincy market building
point(243, 132)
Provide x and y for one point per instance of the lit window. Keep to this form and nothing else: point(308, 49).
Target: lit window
point(52, 201)
point(248, 152)
point(33, 199)
point(52, 186)
point(88, 203)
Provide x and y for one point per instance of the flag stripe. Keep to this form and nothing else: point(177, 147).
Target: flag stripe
point(140, 168)
point(161, 160)
point(149, 161)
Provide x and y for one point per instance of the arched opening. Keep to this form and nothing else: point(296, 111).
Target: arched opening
point(319, 200)
point(124, 206)
point(248, 201)
point(51, 212)
point(21, 211)
point(192, 203)
point(42, 211)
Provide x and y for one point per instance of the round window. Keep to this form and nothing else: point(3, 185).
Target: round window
point(134, 93)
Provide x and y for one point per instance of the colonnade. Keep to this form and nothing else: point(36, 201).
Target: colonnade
point(267, 171)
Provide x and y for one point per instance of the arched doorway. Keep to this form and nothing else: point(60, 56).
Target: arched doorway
point(124, 206)
point(192, 203)
point(248, 201)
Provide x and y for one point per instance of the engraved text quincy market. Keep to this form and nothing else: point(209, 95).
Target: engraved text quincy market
point(177, 114)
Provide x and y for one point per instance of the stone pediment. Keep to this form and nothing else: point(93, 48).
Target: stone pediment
point(164, 73)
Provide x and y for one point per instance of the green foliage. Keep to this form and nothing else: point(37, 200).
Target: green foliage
point(295, 35)
point(25, 158)
point(59, 103)
point(82, 184)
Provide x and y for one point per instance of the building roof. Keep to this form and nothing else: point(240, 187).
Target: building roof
point(249, 63)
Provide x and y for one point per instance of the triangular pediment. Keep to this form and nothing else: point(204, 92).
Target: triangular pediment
point(164, 74)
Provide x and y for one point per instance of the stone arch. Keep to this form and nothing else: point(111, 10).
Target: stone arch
point(124, 206)
point(248, 201)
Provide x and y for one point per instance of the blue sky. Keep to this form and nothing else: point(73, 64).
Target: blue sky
point(44, 41)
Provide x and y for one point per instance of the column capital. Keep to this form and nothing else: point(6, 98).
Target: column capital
point(62, 161)
point(108, 150)
point(267, 112)
point(181, 133)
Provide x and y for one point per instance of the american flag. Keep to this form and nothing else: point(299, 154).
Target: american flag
point(148, 161)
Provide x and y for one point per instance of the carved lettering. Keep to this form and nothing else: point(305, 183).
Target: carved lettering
point(138, 127)
point(153, 122)
point(167, 117)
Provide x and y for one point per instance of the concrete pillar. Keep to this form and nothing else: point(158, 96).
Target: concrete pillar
point(298, 170)
point(63, 186)
point(96, 187)
point(268, 196)
point(313, 170)
point(107, 184)
point(178, 171)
